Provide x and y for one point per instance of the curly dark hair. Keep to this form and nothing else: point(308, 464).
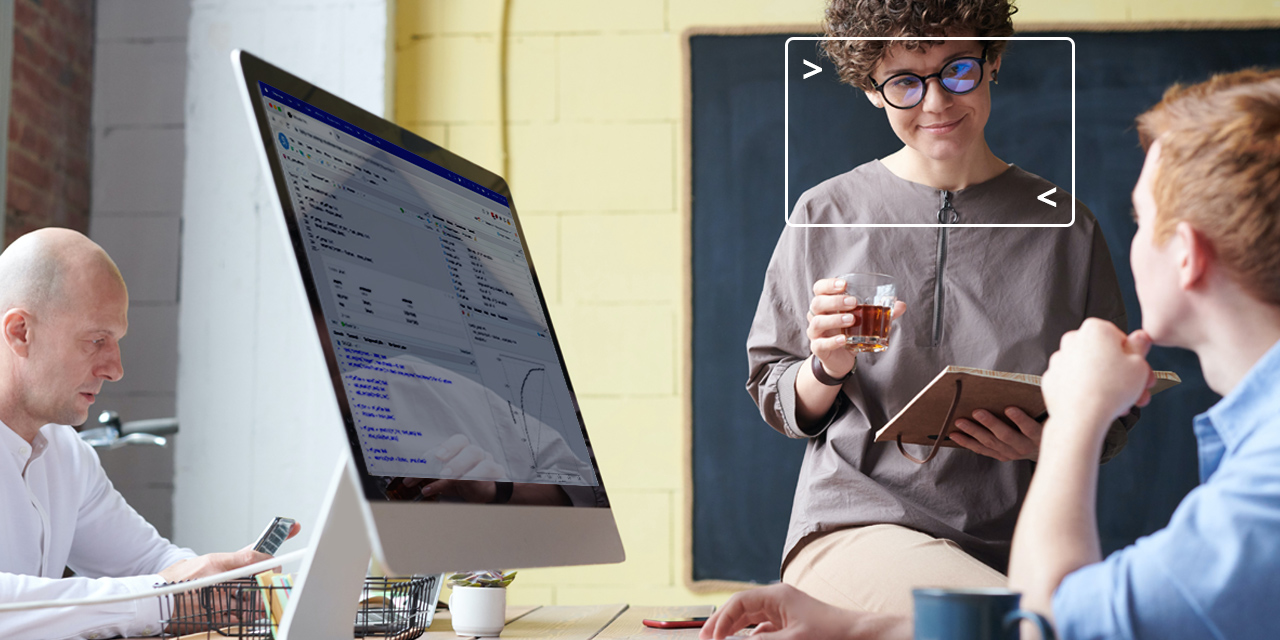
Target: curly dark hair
point(855, 59)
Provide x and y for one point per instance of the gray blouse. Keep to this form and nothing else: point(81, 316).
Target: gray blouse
point(993, 298)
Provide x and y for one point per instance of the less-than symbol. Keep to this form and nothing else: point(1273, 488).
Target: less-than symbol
point(1044, 197)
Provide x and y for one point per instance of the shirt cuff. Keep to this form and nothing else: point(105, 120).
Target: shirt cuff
point(787, 398)
point(149, 615)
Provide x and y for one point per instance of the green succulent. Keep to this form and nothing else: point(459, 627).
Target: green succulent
point(495, 578)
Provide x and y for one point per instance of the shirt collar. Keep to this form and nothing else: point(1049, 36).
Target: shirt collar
point(19, 448)
point(1252, 404)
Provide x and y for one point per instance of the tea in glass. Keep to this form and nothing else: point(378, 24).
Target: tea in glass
point(876, 296)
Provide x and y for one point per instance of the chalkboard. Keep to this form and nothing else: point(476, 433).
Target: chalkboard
point(743, 472)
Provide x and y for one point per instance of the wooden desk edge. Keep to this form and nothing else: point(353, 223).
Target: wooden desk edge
point(592, 622)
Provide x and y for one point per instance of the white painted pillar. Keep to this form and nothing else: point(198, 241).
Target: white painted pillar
point(139, 84)
point(260, 427)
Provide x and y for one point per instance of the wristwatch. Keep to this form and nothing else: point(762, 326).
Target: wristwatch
point(825, 378)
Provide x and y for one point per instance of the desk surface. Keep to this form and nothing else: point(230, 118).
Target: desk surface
point(595, 622)
point(598, 622)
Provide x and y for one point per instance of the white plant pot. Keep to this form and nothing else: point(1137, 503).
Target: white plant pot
point(478, 611)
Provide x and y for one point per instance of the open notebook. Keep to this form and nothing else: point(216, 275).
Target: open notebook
point(930, 416)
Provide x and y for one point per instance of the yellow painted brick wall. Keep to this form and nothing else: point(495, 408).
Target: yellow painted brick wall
point(596, 166)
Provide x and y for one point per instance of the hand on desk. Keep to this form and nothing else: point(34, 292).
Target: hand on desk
point(991, 436)
point(784, 613)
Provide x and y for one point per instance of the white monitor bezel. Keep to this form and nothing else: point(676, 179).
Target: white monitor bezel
point(420, 537)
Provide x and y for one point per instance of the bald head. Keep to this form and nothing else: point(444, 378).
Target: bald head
point(45, 270)
point(63, 310)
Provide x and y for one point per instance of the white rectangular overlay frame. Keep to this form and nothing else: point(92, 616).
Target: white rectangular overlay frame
point(786, 133)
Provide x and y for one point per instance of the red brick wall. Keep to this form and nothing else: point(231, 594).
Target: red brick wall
point(49, 116)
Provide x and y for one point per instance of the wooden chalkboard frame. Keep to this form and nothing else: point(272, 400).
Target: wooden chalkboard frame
point(686, 211)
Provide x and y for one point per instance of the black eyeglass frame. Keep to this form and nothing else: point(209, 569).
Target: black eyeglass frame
point(924, 80)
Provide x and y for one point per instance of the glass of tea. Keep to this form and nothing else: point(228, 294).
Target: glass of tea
point(876, 294)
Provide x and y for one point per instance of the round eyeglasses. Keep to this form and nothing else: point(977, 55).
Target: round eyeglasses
point(906, 90)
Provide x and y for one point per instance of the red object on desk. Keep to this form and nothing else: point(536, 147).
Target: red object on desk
point(675, 623)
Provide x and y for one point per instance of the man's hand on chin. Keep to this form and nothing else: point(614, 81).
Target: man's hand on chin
point(1098, 375)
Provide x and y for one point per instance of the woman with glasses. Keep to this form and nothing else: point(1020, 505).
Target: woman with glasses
point(868, 523)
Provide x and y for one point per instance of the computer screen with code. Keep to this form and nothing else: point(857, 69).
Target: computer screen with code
point(431, 307)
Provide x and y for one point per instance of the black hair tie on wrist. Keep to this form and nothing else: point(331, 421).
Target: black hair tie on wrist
point(824, 377)
point(502, 494)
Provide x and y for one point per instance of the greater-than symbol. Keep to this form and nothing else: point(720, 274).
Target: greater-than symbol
point(816, 69)
point(1044, 197)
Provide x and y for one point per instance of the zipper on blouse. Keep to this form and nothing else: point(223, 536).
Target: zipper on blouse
point(946, 215)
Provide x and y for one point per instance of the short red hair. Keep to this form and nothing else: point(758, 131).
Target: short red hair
point(1220, 171)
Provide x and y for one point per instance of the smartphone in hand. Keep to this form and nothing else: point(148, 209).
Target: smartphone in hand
point(274, 536)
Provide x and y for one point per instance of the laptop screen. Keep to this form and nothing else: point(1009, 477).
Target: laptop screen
point(447, 360)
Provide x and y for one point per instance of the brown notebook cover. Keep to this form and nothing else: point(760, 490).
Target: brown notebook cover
point(922, 419)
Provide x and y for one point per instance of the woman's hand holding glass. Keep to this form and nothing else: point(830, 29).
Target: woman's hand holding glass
point(831, 313)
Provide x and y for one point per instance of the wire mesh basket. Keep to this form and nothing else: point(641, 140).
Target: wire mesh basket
point(400, 608)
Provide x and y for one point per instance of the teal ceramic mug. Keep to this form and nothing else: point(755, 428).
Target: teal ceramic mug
point(972, 614)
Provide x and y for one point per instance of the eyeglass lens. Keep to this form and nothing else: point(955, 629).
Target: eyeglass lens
point(958, 77)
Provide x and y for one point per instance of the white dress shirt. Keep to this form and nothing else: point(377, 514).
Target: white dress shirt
point(58, 509)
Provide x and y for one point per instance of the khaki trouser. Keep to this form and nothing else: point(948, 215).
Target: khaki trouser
point(874, 568)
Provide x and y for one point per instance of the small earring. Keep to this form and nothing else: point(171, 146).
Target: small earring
point(995, 77)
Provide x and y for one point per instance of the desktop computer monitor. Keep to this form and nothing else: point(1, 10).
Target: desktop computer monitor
point(467, 447)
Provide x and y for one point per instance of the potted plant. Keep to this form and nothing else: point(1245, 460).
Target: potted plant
point(478, 602)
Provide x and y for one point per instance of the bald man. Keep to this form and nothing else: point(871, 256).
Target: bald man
point(63, 310)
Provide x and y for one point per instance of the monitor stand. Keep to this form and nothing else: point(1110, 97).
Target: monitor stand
point(322, 604)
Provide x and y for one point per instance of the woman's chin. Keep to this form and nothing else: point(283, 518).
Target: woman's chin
point(942, 151)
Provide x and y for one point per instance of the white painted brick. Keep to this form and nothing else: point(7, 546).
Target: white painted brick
point(139, 83)
point(138, 19)
point(146, 250)
point(144, 476)
point(364, 40)
point(150, 351)
point(254, 396)
point(138, 170)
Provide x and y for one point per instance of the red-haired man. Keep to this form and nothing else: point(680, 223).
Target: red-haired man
point(1206, 262)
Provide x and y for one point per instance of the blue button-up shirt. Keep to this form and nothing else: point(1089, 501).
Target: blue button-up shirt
point(1214, 572)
